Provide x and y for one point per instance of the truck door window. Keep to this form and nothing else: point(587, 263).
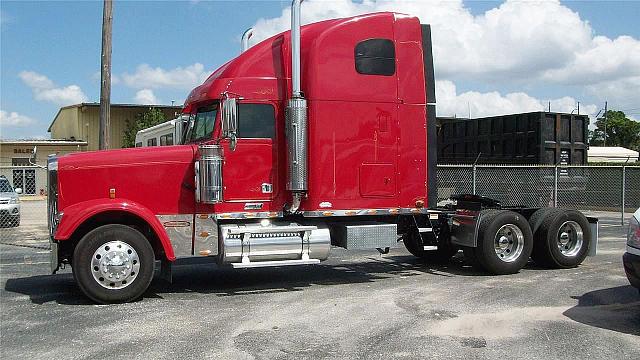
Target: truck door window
point(152, 142)
point(204, 122)
point(375, 57)
point(256, 121)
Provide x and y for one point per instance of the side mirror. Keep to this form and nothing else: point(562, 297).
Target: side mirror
point(230, 121)
point(18, 191)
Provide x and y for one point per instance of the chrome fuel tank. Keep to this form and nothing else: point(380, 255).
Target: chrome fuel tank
point(255, 243)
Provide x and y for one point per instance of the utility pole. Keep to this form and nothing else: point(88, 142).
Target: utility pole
point(605, 123)
point(105, 75)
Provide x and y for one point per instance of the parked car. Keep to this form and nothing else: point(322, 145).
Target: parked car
point(631, 258)
point(9, 203)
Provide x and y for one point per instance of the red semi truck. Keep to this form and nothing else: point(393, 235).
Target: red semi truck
point(317, 137)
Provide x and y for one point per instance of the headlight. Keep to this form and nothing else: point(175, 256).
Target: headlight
point(633, 238)
point(14, 201)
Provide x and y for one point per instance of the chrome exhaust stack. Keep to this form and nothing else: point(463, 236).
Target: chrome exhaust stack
point(296, 120)
point(208, 173)
point(245, 39)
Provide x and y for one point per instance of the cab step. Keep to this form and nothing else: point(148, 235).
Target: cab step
point(259, 264)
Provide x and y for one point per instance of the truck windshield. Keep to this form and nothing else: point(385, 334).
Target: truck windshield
point(203, 123)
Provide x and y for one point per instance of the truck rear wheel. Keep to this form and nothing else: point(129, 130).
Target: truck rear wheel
point(113, 264)
point(562, 239)
point(505, 242)
point(414, 244)
point(537, 218)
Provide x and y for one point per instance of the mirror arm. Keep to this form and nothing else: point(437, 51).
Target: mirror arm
point(32, 159)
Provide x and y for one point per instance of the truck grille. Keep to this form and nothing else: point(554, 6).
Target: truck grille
point(52, 195)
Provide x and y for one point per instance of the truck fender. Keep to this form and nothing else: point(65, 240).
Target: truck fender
point(76, 214)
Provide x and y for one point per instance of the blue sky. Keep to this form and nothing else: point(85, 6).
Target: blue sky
point(50, 53)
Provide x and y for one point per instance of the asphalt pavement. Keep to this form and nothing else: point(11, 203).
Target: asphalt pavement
point(356, 305)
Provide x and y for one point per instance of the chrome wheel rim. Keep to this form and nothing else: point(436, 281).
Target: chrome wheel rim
point(509, 243)
point(115, 265)
point(570, 238)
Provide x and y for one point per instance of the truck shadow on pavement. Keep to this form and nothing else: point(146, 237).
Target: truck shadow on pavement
point(222, 281)
point(616, 309)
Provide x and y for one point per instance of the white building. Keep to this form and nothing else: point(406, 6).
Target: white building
point(614, 154)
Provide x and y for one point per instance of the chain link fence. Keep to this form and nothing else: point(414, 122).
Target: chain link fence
point(23, 217)
point(23, 206)
point(601, 188)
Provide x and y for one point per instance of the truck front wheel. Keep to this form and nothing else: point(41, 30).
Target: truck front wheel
point(113, 264)
point(505, 242)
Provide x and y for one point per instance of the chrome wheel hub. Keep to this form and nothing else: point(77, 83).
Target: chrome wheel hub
point(115, 265)
point(509, 243)
point(570, 238)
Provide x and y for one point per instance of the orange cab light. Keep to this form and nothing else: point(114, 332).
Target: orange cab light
point(112, 193)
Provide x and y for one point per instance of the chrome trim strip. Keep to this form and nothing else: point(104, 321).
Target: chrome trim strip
point(324, 213)
point(269, 230)
point(632, 250)
point(251, 201)
point(365, 212)
point(249, 215)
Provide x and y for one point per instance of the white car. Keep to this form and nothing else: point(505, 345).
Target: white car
point(9, 204)
point(631, 258)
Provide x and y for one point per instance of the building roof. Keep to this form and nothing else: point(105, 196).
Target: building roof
point(94, 104)
point(44, 142)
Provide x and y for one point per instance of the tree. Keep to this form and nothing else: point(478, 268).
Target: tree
point(143, 120)
point(621, 131)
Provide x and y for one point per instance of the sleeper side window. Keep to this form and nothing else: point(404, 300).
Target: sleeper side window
point(375, 57)
point(166, 140)
point(256, 121)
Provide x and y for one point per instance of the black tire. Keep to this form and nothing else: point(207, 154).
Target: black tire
point(445, 251)
point(537, 218)
point(15, 222)
point(515, 236)
point(548, 239)
point(138, 256)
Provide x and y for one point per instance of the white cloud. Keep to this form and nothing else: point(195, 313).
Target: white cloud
point(45, 90)
point(477, 104)
point(146, 97)
point(518, 42)
point(13, 119)
point(146, 77)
